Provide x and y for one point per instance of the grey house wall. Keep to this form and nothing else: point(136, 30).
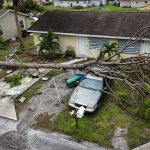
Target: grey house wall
point(139, 3)
point(9, 25)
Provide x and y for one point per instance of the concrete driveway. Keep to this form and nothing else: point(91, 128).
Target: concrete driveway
point(55, 141)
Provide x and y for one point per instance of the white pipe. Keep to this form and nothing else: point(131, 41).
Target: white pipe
point(57, 91)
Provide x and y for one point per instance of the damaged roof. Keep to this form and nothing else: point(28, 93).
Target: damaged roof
point(120, 24)
point(3, 12)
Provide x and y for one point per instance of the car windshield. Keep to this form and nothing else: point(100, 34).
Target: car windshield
point(91, 84)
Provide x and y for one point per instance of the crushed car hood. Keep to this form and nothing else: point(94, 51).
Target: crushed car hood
point(85, 96)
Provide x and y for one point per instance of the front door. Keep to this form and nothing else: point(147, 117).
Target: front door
point(82, 46)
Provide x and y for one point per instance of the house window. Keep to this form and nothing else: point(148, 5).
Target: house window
point(97, 43)
point(132, 49)
point(1, 30)
point(21, 24)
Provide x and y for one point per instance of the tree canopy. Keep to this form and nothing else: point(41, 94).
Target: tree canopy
point(1, 3)
point(27, 6)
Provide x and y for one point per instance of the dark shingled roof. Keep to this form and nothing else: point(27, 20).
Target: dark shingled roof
point(121, 24)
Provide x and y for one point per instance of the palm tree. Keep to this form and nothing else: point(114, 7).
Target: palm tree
point(15, 6)
point(49, 44)
point(109, 49)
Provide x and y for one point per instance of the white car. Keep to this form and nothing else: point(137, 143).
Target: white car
point(88, 93)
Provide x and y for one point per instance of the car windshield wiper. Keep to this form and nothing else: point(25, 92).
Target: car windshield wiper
point(88, 88)
point(91, 88)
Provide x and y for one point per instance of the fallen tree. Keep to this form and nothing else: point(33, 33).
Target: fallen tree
point(131, 75)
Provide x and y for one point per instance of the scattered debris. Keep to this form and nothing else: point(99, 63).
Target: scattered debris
point(44, 79)
point(22, 99)
point(7, 108)
point(9, 71)
point(35, 75)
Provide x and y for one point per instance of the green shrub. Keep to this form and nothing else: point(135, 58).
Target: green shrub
point(78, 7)
point(147, 102)
point(148, 87)
point(27, 6)
point(2, 44)
point(122, 94)
point(15, 80)
point(1, 3)
point(147, 113)
point(135, 111)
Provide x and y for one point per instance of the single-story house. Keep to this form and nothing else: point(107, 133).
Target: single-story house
point(87, 31)
point(134, 3)
point(8, 27)
point(73, 3)
point(125, 3)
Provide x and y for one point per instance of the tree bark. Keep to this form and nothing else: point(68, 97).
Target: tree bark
point(123, 62)
point(15, 5)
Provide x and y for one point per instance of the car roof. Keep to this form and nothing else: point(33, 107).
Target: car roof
point(91, 76)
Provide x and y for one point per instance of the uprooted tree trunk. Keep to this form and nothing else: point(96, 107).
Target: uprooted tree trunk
point(15, 6)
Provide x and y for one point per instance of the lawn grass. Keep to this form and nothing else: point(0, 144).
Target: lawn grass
point(2, 74)
point(99, 127)
point(29, 43)
point(3, 53)
point(28, 95)
point(59, 60)
point(139, 132)
point(28, 46)
point(54, 73)
point(107, 8)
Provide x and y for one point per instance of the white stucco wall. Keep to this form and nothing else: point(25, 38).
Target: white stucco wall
point(73, 41)
point(9, 25)
point(125, 3)
point(145, 47)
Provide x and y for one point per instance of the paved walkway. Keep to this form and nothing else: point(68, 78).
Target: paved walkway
point(143, 147)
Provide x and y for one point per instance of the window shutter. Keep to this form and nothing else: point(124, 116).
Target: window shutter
point(97, 43)
point(132, 49)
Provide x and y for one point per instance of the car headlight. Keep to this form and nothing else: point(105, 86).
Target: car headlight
point(92, 107)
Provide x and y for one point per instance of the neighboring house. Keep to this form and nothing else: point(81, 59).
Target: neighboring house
point(125, 3)
point(87, 31)
point(73, 3)
point(8, 27)
point(134, 3)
